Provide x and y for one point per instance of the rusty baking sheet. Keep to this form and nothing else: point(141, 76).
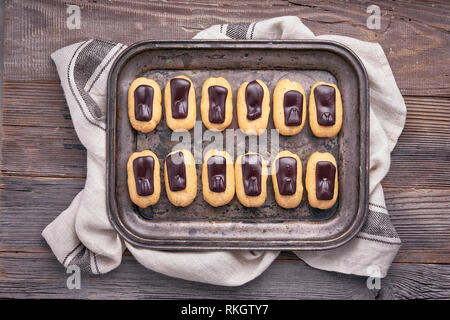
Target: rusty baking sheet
point(270, 227)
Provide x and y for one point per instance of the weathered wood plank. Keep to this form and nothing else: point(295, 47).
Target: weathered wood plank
point(27, 205)
point(35, 104)
point(423, 149)
point(416, 281)
point(38, 130)
point(414, 35)
point(2, 25)
point(39, 135)
point(422, 220)
point(42, 151)
point(282, 280)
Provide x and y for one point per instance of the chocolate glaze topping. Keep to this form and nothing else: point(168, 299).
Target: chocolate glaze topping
point(251, 174)
point(179, 92)
point(143, 169)
point(143, 103)
point(217, 102)
point(325, 177)
point(217, 173)
point(286, 175)
point(325, 98)
point(176, 171)
point(253, 98)
point(293, 108)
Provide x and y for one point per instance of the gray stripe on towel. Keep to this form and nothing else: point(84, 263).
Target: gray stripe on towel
point(82, 260)
point(379, 224)
point(238, 30)
point(90, 57)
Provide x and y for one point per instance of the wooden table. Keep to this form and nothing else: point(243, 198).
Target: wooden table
point(43, 163)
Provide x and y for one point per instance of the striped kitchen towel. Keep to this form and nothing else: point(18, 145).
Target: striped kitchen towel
point(82, 235)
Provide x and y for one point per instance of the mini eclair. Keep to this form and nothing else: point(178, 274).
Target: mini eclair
point(251, 179)
point(289, 107)
point(325, 110)
point(180, 178)
point(180, 104)
point(287, 179)
point(144, 104)
point(143, 179)
point(253, 107)
point(218, 178)
point(322, 180)
point(217, 104)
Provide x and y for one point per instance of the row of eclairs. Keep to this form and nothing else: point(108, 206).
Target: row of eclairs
point(246, 178)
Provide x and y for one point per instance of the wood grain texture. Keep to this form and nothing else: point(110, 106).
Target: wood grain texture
point(27, 205)
point(45, 278)
point(415, 36)
point(42, 151)
point(31, 275)
point(43, 163)
point(423, 149)
point(422, 220)
point(416, 281)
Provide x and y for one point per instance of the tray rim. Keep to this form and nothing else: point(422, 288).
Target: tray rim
point(327, 45)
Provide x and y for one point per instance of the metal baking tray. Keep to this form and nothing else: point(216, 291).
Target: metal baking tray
point(270, 227)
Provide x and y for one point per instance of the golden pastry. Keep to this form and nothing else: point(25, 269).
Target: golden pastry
point(144, 104)
point(217, 104)
point(179, 102)
point(144, 185)
point(322, 180)
point(251, 180)
point(218, 178)
point(287, 179)
point(325, 110)
point(180, 178)
point(253, 107)
point(289, 107)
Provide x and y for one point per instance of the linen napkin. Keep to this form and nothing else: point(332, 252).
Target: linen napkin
point(82, 235)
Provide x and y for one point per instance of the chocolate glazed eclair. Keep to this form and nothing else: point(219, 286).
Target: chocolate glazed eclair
point(180, 104)
point(218, 178)
point(180, 178)
point(251, 179)
point(322, 180)
point(289, 107)
point(217, 104)
point(143, 179)
point(287, 179)
point(144, 104)
point(253, 107)
point(325, 110)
